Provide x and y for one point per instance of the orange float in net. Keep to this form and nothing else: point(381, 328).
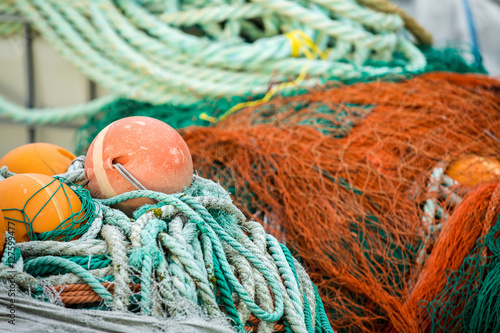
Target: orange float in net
point(43, 158)
point(473, 169)
point(34, 204)
point(350, 191)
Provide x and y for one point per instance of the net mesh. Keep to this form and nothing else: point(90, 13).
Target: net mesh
point(353, 208)
point(463, 298)
point(74, 225)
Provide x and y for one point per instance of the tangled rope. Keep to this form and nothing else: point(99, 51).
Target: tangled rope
point(187, 51)
point(189, 250)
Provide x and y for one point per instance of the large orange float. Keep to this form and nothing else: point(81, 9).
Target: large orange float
point(148, 149)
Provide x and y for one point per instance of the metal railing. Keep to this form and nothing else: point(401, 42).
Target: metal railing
point(29, 70)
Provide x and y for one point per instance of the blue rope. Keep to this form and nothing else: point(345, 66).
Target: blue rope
point(472, 30)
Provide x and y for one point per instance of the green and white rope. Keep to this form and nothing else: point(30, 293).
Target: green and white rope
point(439, 188)
point(74, 268)
point(117, 248)
point(193, 51)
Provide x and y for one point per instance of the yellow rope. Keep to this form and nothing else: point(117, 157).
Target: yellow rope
point(300, 43)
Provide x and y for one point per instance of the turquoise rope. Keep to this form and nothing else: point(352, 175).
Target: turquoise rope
point(117, 218)
point(149, 257)
point(307, 307)
point(321, 314)
point(223, 235)
point(206, 223)
point(187, 259)
point(73, 268)
point(285, 273)
point(225, 295)
point(88, 263)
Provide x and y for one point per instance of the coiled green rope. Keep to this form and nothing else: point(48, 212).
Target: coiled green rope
point(192, 51)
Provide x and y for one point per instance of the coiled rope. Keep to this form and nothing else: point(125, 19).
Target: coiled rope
point(188, 250)
point(184, 52)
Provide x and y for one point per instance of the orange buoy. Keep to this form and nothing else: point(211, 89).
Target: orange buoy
point(39, 201)
point(470, 170)
point(42, 158)
point(3, 229)
point(149, 149)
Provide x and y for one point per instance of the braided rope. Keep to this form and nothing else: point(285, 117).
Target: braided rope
point(22, 279)
point(53, 115)
point(243, 270)
point(95, 226)
point(89, 263)
point(421, 34)
point(67, 288)
point(215, 231)
point(149, 235)
point(117, 249)
point(187, 261)
point(102, 274)
point(49, 248)
point(439, 186)
point(263, 296)
point(286, 273)
point(137, 51)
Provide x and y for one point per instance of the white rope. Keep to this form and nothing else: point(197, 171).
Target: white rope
point(117, 248)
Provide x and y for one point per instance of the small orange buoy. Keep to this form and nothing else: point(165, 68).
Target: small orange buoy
point(470, 170)
point(148, 149)
point(42, 158)
point(37, 202)
point(3, 229)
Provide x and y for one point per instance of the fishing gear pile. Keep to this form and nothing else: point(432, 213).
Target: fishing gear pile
point(373, 162)
point(175, 254)
point(385, 190)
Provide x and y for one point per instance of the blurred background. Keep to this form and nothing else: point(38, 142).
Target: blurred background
point(58, 83)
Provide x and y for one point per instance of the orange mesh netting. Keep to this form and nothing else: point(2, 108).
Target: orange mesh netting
point(344, 175)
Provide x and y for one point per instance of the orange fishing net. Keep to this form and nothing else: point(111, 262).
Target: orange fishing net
point(353, 178)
